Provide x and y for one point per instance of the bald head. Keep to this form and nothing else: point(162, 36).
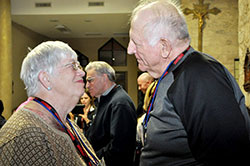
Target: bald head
point(143, 81)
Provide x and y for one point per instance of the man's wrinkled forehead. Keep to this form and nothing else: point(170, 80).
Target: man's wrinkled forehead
point(142, 14)
point(142, 19)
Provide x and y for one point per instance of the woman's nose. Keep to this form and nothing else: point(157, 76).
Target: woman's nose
point(81, 73)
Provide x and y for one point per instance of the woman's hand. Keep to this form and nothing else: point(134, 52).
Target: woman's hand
point(85, 118)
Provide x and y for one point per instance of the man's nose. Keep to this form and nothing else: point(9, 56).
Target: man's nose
point(131, 48)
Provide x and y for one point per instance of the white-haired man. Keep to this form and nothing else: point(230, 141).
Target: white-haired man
point(197, 114)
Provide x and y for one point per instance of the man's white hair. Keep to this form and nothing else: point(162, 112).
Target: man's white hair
point(167, 21)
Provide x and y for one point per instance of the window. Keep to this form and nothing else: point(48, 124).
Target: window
point(113, 53)
point(84, 60)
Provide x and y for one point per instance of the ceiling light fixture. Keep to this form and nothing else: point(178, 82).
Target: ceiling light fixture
point(63, 29)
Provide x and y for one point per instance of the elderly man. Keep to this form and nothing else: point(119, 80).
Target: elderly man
point(113, 130)
point(197, 114)
point(143, 81)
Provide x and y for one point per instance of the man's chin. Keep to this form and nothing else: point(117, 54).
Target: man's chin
point(142, 67)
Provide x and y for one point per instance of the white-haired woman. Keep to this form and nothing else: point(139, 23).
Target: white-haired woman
point(39, 133)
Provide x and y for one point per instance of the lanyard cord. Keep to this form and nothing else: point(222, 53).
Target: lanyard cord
point(145, 121)
point(91, 154)
point(48, 107)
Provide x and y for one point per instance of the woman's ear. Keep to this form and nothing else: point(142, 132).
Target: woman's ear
point(165, 48)
point(44, 79)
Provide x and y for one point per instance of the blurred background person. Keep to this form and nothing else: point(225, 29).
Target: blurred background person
point(39, 133)
point(143, 81)
point(89, 110)
point(85, 118)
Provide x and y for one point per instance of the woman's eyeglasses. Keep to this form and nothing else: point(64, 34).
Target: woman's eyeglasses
point(75, 65)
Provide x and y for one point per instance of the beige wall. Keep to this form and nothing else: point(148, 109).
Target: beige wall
point(89, 47)
point(22, 38)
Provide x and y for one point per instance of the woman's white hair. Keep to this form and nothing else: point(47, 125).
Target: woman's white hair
point(43, 57)
point(167, 21)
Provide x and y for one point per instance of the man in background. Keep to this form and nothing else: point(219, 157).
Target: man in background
point(113, 131)
point(143, 81)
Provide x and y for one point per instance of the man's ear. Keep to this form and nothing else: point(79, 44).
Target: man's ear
point(166, 48)
point(105, 76)
point(44, 79)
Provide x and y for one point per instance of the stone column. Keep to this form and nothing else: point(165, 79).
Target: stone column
point(5, 57)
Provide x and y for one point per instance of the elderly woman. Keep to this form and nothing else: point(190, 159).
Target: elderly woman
point(39, 133)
